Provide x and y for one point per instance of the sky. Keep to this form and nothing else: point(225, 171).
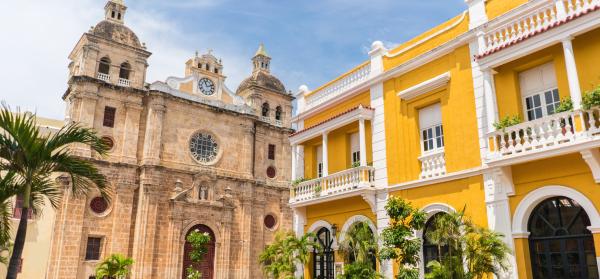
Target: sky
point(310, 41)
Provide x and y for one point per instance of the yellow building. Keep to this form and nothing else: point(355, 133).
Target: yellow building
point(417, 121)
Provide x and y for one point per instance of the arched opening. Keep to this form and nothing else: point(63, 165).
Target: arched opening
point(207, 264)
point(362, 232)
point(323, 262)
point(265, 109)
point(561, 246)
point(125, 71)
point(278, 113)
point(104, 67)
point(432, 252)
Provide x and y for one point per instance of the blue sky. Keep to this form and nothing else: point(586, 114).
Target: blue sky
point(311, 41)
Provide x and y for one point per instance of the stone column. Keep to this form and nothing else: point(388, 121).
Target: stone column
point(490, 99)
point(362, 137)
point(84, 112)
point(574, 88)
point(225, 244)
point(383, 220)
point(130, 133)
point(299, 223)
point(325, 154)
point(153, 135)
point(246, 237)
point(294, 162)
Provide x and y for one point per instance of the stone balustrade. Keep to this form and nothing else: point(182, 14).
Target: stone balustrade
point(104, 77)
point(124, 82)
point(339, 86)
point(335, 184)
point(433, 164)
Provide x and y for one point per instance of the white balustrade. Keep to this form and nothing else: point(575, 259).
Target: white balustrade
point(337, 183)
point(278, 123)
point(339, 86)
point(545, 133)
point(124, 82)
point(433, 164)
point(533, 22)
point(265, 119)
point(104, 77)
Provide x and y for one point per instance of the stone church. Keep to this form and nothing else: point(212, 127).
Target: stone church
point(187, 153)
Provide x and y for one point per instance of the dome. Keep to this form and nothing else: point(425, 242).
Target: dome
point(264, 80)
point(116, 32)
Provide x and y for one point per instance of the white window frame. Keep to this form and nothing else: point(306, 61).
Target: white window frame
point(543, 81)
point(435, 122)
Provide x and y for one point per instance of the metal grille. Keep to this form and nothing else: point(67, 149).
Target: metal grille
point(204, 147)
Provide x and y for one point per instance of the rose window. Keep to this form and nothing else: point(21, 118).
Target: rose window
point(204, 147)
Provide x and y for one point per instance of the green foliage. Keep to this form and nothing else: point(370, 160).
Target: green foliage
point(591, 98)
point(33, 157)
point(279, 259)
point(355, 164)
point(507, 121)
point(318, 189)
point(298, 181)
point(199, 242)
point(478, 249)
point(359, 270)
point(398, 241)
point(114, 267)
point(566, 104)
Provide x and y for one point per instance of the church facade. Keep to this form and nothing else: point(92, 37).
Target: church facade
point(186, 154)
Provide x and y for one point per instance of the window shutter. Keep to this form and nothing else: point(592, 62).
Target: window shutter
point(537, 80)
point(109, 116)
point(354, 143)
point(430, 116)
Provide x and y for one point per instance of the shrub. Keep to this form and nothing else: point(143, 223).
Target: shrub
point(591, 98)
point(507, 121)
point(565, 104)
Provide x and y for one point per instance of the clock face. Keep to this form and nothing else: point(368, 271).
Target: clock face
point(206, 86)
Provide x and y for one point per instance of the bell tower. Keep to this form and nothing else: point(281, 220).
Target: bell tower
point(261, 60)
point(115, 11)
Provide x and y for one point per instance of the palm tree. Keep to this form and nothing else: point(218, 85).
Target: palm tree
point(279, 259)
point(360, 248)
point(34, 158)
point(114, 267)
point(7, 190)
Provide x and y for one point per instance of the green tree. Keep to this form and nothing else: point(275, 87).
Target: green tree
point(199, 241)
point(474, 252)
point(399, 244)
point(34, 158)
point(359, 247)
point(114, 267)
point(8, 188)
point(279, 259)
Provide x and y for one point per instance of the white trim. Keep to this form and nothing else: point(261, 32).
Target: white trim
point(324, 224)
point(430, 210)
point(355, 219)
point(425, 87)
point(430, 181)
point(358, 192)
point(592, 159)
point(355, 115)
point(531, 200)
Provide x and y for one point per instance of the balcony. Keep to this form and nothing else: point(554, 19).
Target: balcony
point(554, 135)
point(104, 77)
point(337, 185)
point(124, 82)
point(278, 123)
point(433, 164)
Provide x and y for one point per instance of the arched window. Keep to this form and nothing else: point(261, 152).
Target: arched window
point(125, 71)
point(265, 110)
point(432, 252)
point(560, 244)
point(278, 113)
point(104, 67)
point(323, 262)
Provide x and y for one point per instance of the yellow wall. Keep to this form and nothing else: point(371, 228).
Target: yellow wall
point(360, 99)
point(508, 93)
point(336, 212)
point(569, 170)
point(457, 194)
point(494, 8)
point(428, 45)
point(458, 117)
point(587, 59)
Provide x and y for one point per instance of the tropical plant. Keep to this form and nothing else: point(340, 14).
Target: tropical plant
point(199, 241)
point(507, 121)
point(114, 267)
point(318, 190)
point(566, 104)
point(298, 181)
point(8, 188)
point(399, 244)
point(474, 252)
point(591, 98)
point(359, 247)
point(34, 158)
point(355, 164)
point(279, 259)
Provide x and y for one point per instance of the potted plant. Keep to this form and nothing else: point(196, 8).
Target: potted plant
point(318, 191)
point(591, 98)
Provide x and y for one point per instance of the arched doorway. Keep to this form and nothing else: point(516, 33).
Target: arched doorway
point(432, 252)
point(560, 244)
point(207, 264)
point(323, 261)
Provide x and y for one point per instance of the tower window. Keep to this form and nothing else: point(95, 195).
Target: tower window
point(119, 16)
point(109, 116)
point(207, 67)
point(104, 67)
point(271, 154)
point(112, 14)
point(199, 65)
point(125, 71)
point(216, 71)
point(265, 110)
point(92, 250)
point(278, 113)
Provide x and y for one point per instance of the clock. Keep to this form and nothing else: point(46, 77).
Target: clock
point(206, 86)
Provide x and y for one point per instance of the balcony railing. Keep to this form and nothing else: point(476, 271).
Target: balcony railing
point(278, 123)
point(337, 87)
point(433, 164)
point(104, 77)
point(335, 184)
point(551, 132)
point(124, 82)
point(533, 21)
point(265, 119)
